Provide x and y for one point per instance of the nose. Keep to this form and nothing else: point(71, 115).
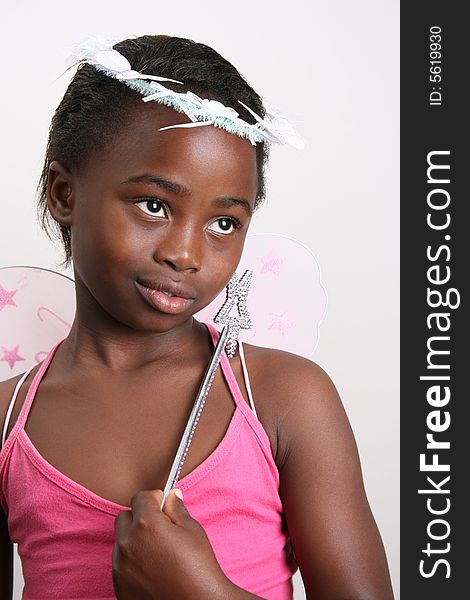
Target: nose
point(180, 249)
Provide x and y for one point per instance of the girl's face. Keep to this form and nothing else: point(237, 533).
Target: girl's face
point(161, 211)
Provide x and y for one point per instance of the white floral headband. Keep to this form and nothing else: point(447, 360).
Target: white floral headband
point(274, 127)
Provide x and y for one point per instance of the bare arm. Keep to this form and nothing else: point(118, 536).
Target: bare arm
point(335, 539)
point(6, 545)
point(6, 560)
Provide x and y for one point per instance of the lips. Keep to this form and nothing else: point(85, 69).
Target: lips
point(166, 296)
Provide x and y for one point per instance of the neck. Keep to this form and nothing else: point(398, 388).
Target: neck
point(98, 348)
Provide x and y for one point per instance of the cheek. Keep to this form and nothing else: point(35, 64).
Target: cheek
point(221, 265)
point(103, 237)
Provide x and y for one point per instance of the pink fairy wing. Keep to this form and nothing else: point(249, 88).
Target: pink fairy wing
point(37, 307)
point(287, 303)
point(287, 300)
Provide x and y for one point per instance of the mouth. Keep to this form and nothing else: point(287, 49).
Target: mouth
point(166, 296)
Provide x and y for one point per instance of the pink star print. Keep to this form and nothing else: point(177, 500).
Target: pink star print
point(11, 356)
point(280, 323)
point(6, 297)
point(271, 264)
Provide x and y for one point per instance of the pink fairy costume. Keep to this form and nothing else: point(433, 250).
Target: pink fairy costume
point(65, 532)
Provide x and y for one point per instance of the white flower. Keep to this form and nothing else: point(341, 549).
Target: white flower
point(217, 109)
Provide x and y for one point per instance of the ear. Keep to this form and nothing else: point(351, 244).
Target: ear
point(60, 194)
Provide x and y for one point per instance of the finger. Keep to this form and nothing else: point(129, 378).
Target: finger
point(122, 526)
point(122, 523)
point(141, 500)
point(146, 505)
point(174, 507)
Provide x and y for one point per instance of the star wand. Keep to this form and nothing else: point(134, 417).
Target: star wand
point(237, 293)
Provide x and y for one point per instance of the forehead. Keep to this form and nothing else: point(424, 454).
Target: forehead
point(200, 158)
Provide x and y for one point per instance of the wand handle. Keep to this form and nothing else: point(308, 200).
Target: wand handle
point(195, 414)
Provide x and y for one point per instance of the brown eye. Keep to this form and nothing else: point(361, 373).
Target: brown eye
point(224, 225)
point(151, 206)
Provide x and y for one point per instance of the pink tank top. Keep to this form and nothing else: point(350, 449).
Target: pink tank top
point(65, 532)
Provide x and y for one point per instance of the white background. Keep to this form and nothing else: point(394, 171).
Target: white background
point(334, 65)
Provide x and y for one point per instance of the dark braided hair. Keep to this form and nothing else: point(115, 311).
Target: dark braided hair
point(95, 107)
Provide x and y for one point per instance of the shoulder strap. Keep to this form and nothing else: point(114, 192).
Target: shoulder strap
point(229, 375)
point(12, 403)
point(241, 353)
point(29, 396)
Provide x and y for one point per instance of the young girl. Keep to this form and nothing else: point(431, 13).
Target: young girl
point(153, 217)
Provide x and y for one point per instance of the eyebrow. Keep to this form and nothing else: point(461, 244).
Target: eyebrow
point(181, 190)
point(227, 202)
point(166, 184)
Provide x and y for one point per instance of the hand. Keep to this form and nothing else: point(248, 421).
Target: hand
point(163, 554)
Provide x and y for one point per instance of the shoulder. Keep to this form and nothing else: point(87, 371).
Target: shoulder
point(292, 380)
point(7, 389)
point(294, 394)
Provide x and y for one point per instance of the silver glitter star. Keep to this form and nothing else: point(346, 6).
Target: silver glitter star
point(237, 293)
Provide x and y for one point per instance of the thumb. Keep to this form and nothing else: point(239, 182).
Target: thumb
point(174, 507)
